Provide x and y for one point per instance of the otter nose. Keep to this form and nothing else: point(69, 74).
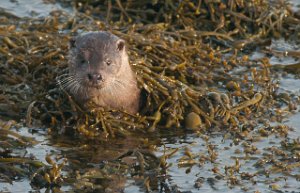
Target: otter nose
point(94, 78)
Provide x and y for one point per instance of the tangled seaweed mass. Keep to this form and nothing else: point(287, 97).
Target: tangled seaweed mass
point(192, 60)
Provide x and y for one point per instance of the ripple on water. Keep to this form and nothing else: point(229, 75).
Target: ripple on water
point(31, 8)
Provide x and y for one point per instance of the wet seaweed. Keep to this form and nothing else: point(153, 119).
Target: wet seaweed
point(192, 62)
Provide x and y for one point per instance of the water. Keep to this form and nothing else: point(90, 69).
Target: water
point(295, 5)
point(183, 178)
point(30, 8)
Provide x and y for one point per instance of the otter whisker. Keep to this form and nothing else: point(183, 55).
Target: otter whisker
point(70, 83)
point(112, 86)
point(75, 86)
point(123, 85)
point(63, 78)
point(67, 82)
point(126, 82)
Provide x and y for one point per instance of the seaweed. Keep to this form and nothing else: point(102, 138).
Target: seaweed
point(192, 63)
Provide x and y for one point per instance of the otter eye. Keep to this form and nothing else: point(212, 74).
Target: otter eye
point(82, 61)
point(108, 62)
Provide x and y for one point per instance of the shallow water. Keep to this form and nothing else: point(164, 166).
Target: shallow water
point(182, 178)
point(30, 8)
point(227, 156)
point(295, 5)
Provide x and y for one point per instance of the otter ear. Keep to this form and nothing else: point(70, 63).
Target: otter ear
point(120, 45)
point(72, 42)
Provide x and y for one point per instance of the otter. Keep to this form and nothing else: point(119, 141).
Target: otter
point(99, 73)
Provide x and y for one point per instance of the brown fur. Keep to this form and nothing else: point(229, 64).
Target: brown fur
point(99, 72)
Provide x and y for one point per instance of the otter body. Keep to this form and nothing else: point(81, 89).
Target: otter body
point(99, 72)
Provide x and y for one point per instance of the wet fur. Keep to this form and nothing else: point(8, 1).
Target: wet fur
point(118, 89)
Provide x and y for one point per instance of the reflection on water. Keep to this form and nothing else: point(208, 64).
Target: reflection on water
point(185, 177)
point(182, 177)
point(30, 8)
point(296, 5)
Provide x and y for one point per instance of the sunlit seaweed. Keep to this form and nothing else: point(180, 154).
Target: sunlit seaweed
point(191, 61)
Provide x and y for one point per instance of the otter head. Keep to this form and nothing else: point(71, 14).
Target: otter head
point(95, 62)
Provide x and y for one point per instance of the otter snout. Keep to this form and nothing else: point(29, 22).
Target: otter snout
point(94, 78)
point(100, 72)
